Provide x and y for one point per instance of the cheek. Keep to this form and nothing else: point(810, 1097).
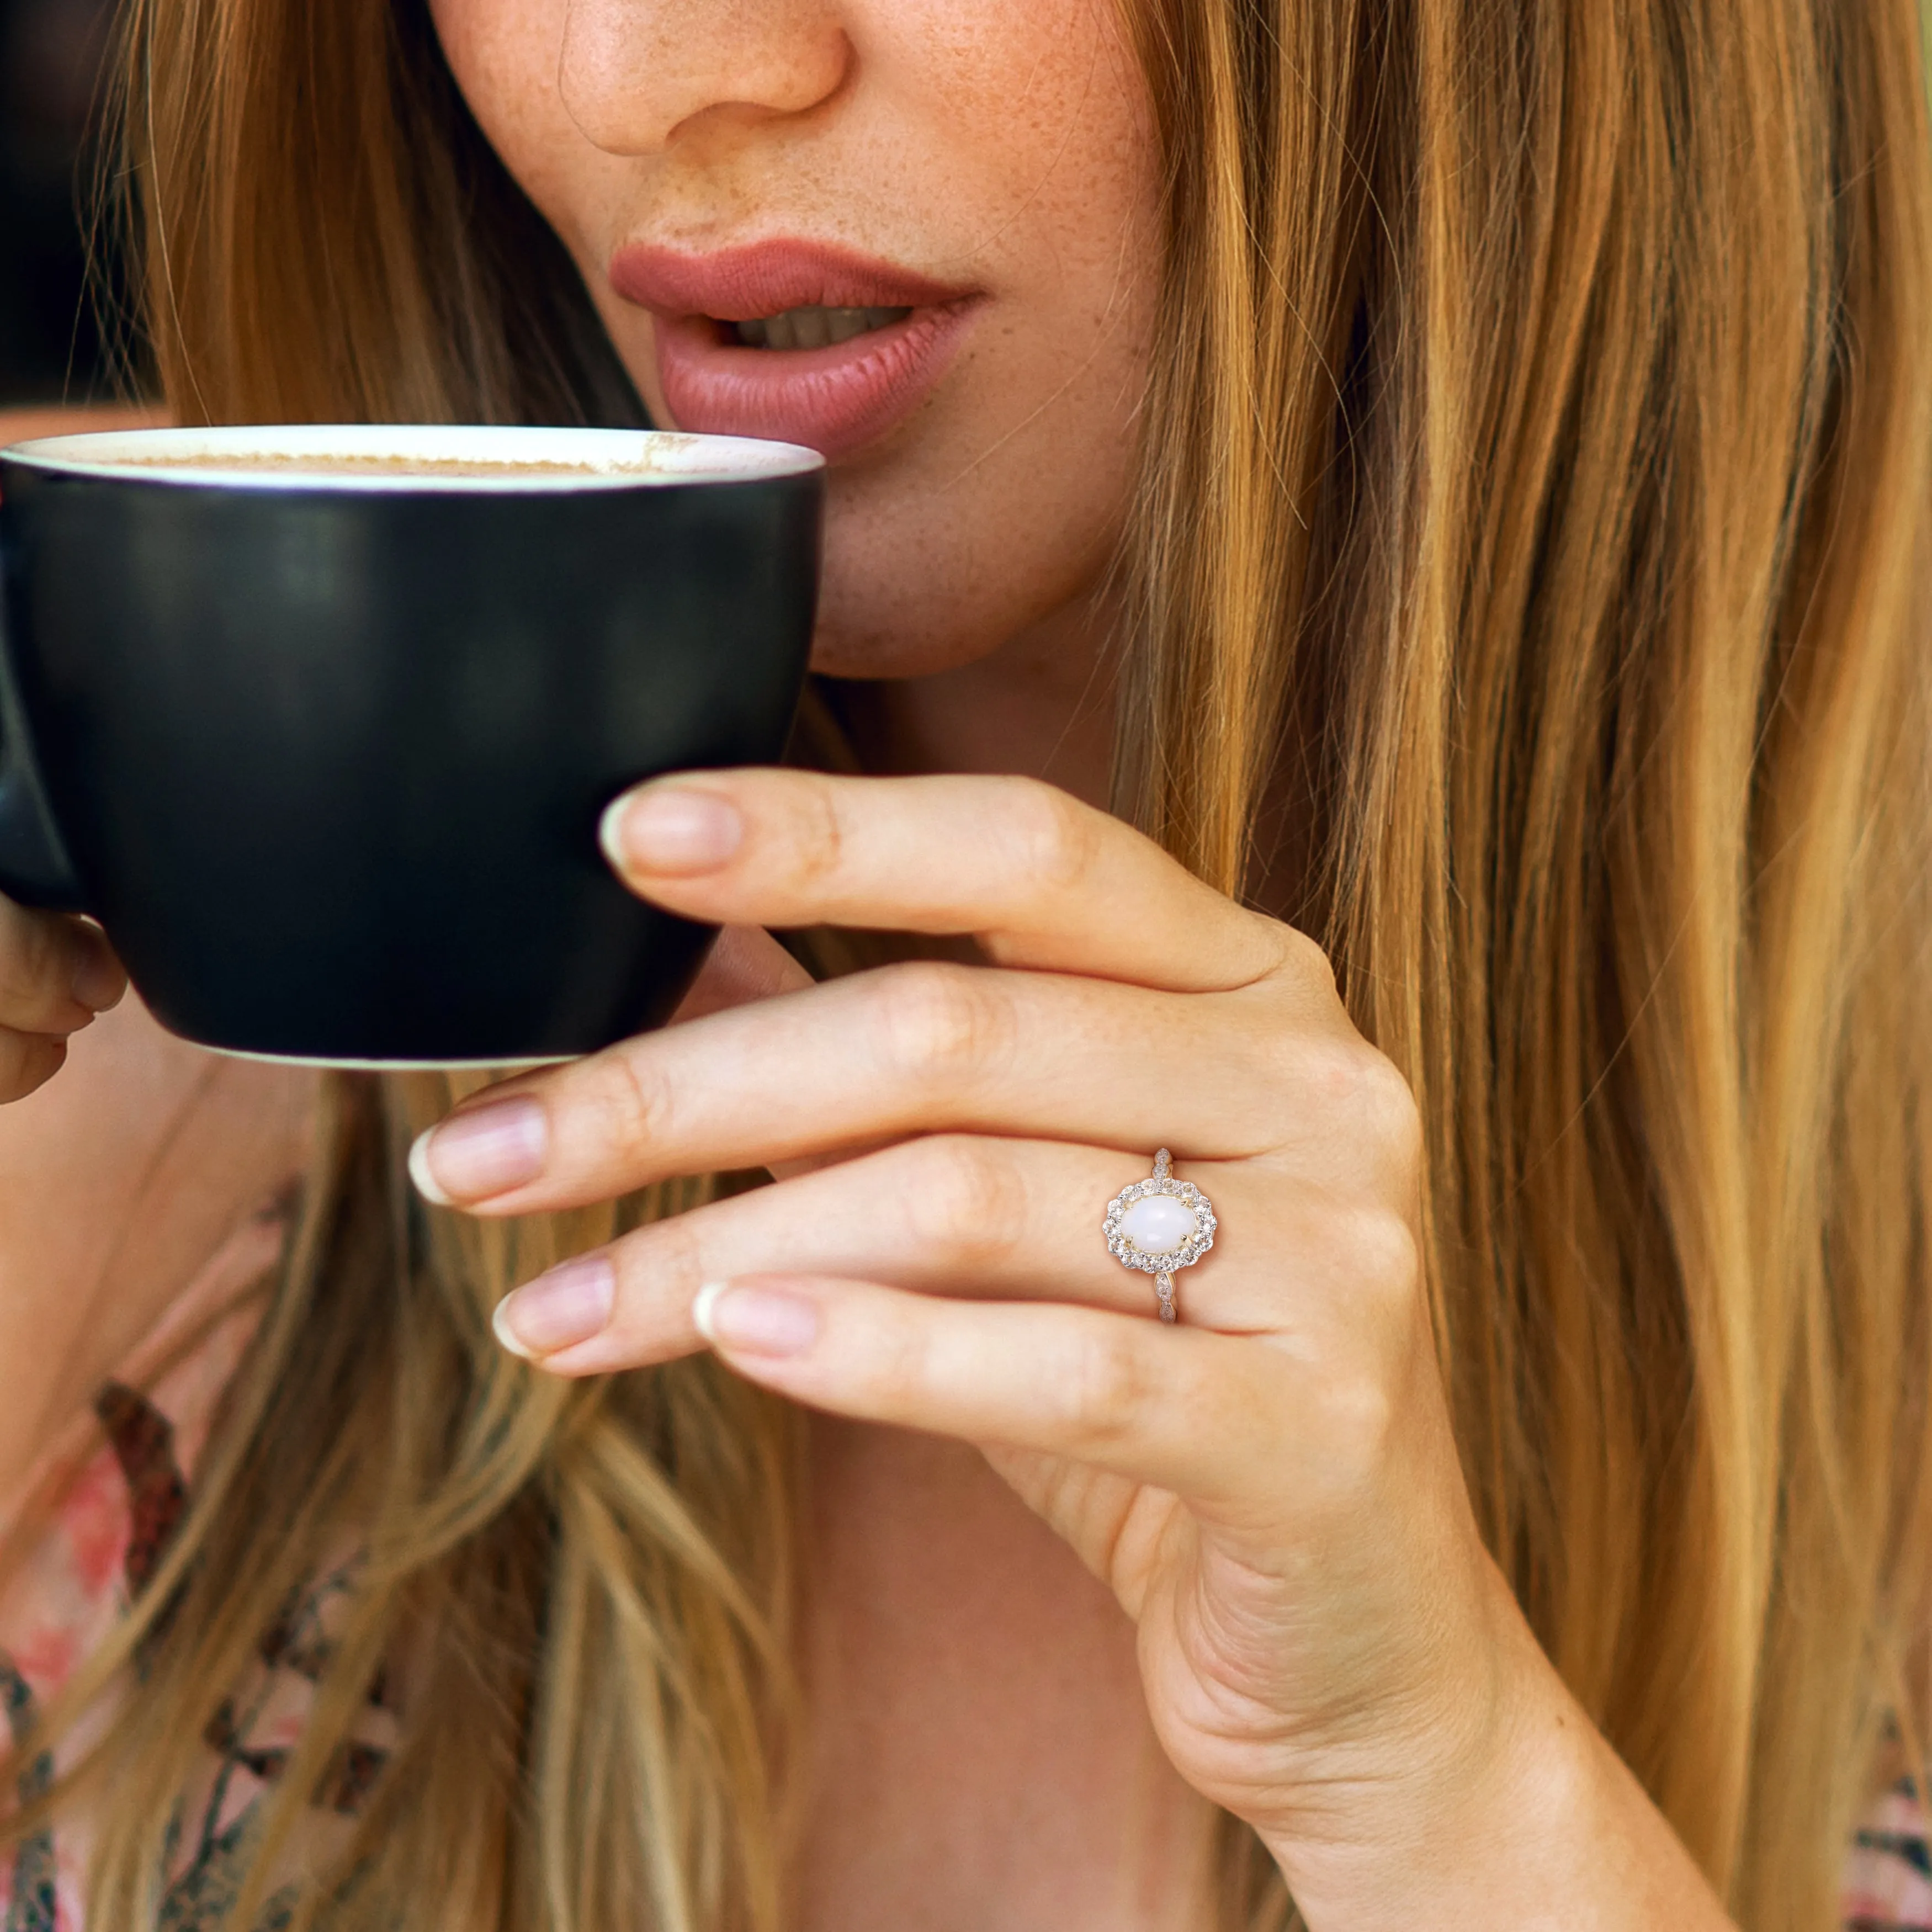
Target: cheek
point(502, 55)
point(1007, 512)
point(1029, 129)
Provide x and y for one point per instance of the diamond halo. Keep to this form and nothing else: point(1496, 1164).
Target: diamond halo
point(1163, 1265)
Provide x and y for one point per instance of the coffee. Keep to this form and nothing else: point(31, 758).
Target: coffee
point(376, 457)
point(427, 468)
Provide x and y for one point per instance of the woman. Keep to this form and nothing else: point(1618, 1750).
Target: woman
point(1454, 476)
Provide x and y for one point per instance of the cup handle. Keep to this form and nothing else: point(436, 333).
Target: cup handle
point(35, 868)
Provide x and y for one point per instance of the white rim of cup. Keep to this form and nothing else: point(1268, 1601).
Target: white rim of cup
point(585, 459)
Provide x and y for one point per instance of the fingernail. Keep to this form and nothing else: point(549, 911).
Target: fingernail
point(97, 982)
point(569, 1304)
point(674, 829)
point(758, 1320)
point(473, 1156)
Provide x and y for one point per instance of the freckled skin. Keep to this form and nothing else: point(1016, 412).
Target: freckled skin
point(1001, 144)
point(981, 1753)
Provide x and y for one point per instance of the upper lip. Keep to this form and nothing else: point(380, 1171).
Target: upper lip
point(759, 279)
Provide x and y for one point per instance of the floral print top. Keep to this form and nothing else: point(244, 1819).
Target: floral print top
point(119, 1500)
point(105, 1537)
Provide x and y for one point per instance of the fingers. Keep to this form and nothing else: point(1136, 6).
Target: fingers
point(1108, 1056)
point(1041, 880)
point(948, 1214)
point(56, 974)
point(910, 1049)
point(1159, 1404)
point(28, 1061)
point(1211, 1417)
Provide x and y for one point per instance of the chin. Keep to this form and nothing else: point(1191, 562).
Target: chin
point(914, 635)
point(921, 591)
point(862, 652)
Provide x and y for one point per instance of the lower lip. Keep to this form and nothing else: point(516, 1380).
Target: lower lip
point(836, 400)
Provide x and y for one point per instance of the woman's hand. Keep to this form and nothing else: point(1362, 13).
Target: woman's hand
point(1271, 1488)
point(56, 974)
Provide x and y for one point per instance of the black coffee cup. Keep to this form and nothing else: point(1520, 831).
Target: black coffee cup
point(319, 722)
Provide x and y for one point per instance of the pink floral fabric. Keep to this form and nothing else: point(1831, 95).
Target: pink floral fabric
point(102, 1542)
point(1888, 1875)
point(118, 1502)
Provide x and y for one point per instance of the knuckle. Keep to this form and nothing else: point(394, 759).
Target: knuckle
point(942, 1023)
point(1383, 1260)
point(1354, 1083)
point(663, 1261)
point(1107, 1387)
point(1335, 1070)
point(622, 1104)
point(1393, 1120)
point(1055, 839)
point(1359, 1421)
point(904, 1364)
point(1305, 967)
point(817, 832)
point(964, 1196)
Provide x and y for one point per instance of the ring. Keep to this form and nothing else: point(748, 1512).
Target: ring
point(1159, 1226)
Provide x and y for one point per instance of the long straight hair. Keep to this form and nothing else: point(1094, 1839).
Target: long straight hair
point(1527, 583)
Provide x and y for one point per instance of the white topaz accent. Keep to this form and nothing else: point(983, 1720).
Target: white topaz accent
point(1157, 1224)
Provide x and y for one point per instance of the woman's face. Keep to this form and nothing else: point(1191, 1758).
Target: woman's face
point(971, 183)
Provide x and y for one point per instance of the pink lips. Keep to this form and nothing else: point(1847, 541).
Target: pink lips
point(835, 400)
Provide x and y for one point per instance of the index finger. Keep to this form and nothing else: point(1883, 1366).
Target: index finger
point(1040, 879)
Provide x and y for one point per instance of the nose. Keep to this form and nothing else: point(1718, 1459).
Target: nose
point(633, 73)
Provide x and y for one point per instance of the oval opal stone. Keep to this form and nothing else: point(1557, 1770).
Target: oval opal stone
point(1157, 1224)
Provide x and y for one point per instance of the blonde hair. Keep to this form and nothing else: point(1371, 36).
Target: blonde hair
point(1528, 567)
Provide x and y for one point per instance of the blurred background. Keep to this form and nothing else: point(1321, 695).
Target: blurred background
point(52, 57)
